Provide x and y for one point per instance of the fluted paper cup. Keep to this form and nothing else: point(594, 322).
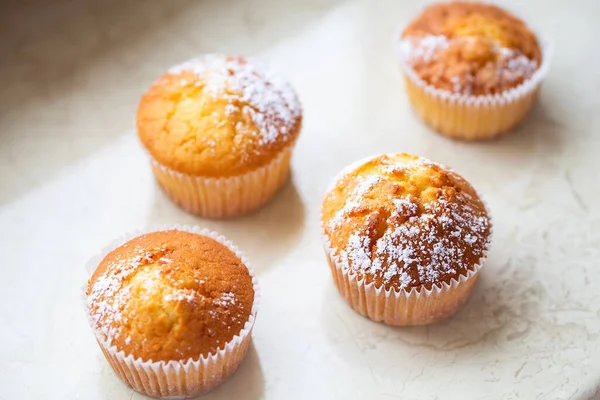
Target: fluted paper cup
point(417, 306)
point(178, 379)
point(224, 197)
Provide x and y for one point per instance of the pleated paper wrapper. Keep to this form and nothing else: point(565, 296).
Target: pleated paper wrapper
point(224, 197)
point(182, 378)
point(417, 306)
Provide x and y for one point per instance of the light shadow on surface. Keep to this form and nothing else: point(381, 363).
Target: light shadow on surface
point(490, 320)
point(491, 317)
point(263, 236)
point(110, 386)
point(247, 382)
point(536, 138)
point(537, 133)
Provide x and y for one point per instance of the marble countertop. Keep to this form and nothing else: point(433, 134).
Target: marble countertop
point(73, 177)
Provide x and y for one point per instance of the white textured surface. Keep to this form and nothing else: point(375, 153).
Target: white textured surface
point(73, 178)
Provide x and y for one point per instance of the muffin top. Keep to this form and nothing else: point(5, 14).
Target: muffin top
point(403, 221)
point(470, 48)
point(218, 116)
point(170, 295)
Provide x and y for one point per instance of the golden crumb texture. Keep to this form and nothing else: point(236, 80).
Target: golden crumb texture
point(402, 221)
point(471, 48)
point(170, 295)
point(218, 116)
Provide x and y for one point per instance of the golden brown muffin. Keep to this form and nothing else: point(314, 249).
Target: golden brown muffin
point(218, 116)
point(471, 48)
point(170, 295)
point(405, 238)
point(402, 221)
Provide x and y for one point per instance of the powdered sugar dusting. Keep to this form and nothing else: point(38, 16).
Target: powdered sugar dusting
point(439, 59)
point(226, 300)
point(517, 66)
point(430, 163)
point(423, 48)
point(142, 278)
point(249, 88)
point(358, 252)
point(182, 295)
point(423, 241)
point(109, 295)
point(353, 203)
point(393, 168)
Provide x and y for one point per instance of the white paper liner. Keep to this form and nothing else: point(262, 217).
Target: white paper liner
point(455, 114)
point(401, 307)
point(184, 378)
point(225, 197)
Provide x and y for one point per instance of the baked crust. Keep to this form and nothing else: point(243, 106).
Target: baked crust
point(402, 221)
point(218, 116)
point(170, 295)
point(471, 48)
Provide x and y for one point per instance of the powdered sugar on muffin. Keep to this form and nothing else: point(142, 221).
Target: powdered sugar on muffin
point(470, 48)
point(250, 88)
point(170, 295)
point(467, 65)
point(403, 221)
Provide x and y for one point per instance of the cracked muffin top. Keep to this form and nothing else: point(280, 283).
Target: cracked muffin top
point(170, 295)
point(470, 48)
point(403, 221)
point(218, 116)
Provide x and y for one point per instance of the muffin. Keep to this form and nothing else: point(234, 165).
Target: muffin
point(220, 132)
point(405, 238)
point(173, 311)
point(472, 70)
